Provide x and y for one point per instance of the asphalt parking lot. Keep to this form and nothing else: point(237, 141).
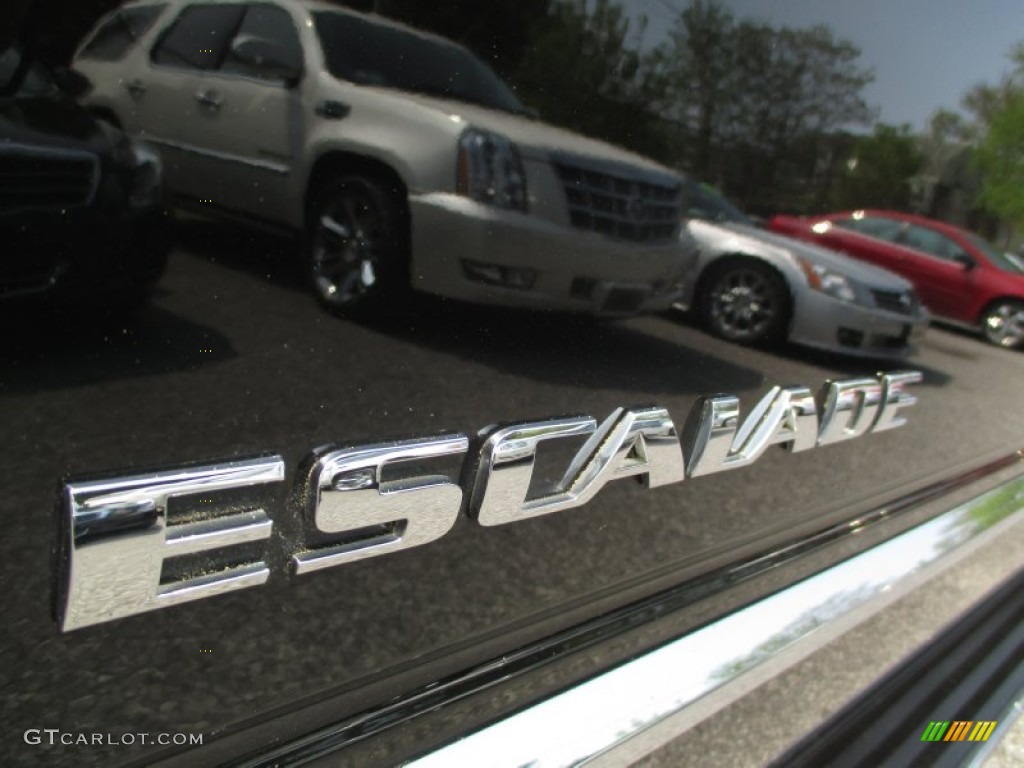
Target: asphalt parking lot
point(234, 305)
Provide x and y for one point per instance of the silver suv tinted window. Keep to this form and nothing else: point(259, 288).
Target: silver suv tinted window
point(116, 37)
point(199, 36)
point(366, 53)
point(270, 24)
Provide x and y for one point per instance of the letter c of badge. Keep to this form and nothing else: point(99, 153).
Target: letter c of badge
point(631, 442)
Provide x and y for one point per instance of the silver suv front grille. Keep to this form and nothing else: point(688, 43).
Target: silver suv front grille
point(621, 207)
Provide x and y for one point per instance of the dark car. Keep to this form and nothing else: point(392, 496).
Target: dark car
point(81, 204)
point(959, 276)
point(236, 530)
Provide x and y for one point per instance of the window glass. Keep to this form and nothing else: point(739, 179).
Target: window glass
point(198, 37)
point(873, 226)
point(705, 204)
point(272, 30)
point(367, 53)
point(931, 242)
point(1008, 262)
point(115, 38)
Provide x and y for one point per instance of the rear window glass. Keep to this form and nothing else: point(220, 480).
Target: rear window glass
point(120, 32)
point(873, 226)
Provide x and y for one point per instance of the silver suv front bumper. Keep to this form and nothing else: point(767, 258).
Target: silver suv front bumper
point(464, 250)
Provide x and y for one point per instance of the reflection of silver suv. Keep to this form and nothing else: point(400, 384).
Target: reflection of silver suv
point(402, 156)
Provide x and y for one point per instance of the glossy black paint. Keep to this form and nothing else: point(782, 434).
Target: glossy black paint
point(232, 357)
point(107, 249)
point(233, 331)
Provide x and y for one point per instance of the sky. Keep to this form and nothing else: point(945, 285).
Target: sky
point(925, 53)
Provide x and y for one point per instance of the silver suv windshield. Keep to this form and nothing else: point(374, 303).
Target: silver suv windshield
point(706, 204)
point(367, 53)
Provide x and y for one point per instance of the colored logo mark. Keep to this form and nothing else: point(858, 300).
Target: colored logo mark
point(959, 730)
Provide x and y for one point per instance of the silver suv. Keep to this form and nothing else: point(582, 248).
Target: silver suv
point(402, 157)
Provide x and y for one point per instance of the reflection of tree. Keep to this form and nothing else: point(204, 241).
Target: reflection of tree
point(980, 515)
point(760, 103)
point(879, 171)
point(1001, 159)
point(756, 109)
point(995, 183)
point(584, 71)
point(983, 513)
point(499, 31)
point(803, 624)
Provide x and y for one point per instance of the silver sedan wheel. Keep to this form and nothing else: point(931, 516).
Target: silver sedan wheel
point(744, 304)
point(1004, 325)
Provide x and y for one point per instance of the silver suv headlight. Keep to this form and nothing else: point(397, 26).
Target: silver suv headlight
point(835, 284)
point(490, 170)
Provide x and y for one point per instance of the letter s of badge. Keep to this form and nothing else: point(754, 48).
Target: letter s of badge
point(345, 493)
point(630, 442)
point(116, 538)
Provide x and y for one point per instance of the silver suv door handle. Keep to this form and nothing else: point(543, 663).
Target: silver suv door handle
point(209, 99)
point(135, 87)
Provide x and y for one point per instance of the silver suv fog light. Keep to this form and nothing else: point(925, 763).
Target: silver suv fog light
point(494, 274)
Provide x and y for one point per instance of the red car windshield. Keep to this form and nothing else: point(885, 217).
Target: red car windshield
point(1000, 260)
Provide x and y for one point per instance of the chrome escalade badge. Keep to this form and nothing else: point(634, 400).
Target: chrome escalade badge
point(123, 554)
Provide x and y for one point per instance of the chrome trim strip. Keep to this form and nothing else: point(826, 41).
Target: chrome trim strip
point(553, 649)
point(1011, 720)
point(593, 718)
point(265, 165)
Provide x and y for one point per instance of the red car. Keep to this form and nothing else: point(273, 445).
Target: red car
point(959, 276)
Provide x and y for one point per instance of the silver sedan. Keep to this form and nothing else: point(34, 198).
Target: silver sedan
point(749, 285)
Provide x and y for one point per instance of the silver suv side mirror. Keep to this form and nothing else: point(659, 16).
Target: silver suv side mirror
point(267, 58)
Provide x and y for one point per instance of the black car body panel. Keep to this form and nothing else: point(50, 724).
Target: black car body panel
point(80, 213)
point(382, 660)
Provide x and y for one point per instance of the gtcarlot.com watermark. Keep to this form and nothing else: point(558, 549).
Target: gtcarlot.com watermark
point(55, 736)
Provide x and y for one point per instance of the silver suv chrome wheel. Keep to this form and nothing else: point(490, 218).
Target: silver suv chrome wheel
point(1003, 324)
point(354, 249)
point(744, 301)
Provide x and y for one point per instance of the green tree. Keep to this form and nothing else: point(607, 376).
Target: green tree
point(1000, 157)
point(758, 102)
point(584, 71)
point(499, 31)
point(984, 101)
point(701, 58)
point(879, 171)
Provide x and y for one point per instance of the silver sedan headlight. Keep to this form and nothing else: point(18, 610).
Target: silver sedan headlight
point(835, 284)
point(490, 170)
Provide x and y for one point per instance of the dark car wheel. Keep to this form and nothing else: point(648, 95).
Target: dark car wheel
point(1003, 324)
point(357, 252)
point(744, 300)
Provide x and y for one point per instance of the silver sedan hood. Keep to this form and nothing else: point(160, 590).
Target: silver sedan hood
point(756, 240)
